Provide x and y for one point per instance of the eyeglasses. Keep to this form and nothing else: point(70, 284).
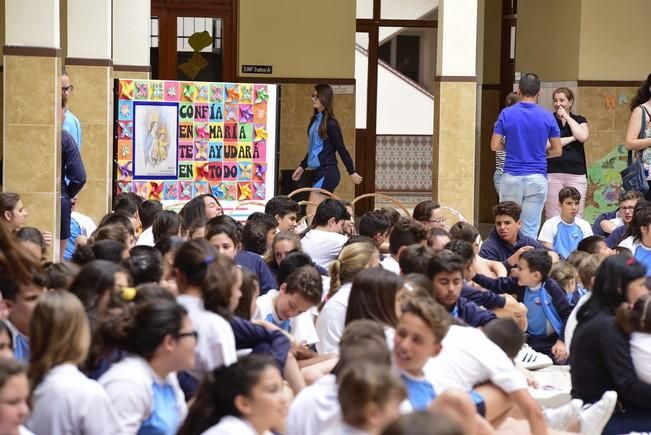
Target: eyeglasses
point(180, 335)
point(315, 97)
point(439, 220)
point(67, 88)
point(627, 208)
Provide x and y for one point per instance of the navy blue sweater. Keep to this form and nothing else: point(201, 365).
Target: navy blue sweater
point(510, 285)
point(333, 143)
point(72, 167)
point(486, 299)
point(495, 248)
point(473, 314)
point(251, 336)
point(256, 264)
point(596, 226)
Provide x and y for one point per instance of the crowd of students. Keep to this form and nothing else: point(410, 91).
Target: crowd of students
point(191, 323)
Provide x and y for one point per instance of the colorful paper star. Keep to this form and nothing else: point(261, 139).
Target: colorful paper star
point(141, 189)
point(233, 94)
point(260, 190)
point(126, 170)
point(189, 91)
point(127, 90)
point(201, 151)
point(245, 191)
point(186, 190)
point(125, 130)
point(202, 131)
point(217, 191)
point(157, 91)
point(246, 94)
point(203, 92)
point(217, 93)
point(202, 187)
point(260, 134)
point(171, 92)
point(230, 191)
point(245, 171)
point(142, 90)
point(171, 191)
point(156, 190)
point(260, 170)
point(231, 112)
point(124, 152)
point(202, 172)
point(261, 95)
point(246, 114)
point(124, 186)
point(124, 110)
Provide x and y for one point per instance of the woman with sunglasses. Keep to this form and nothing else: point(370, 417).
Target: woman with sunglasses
point(143, 387)
point(324, 139)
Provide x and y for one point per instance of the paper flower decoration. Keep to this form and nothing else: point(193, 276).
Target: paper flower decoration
point(124, 186)
point(260, 170)
point(201, 151)
point(246, 113)
point(125, 130)
point(245, 191)
point(126, 170)
point(156, 190)
point(202, 188)
point(141, 189)
point(217, 191)
point(217, 93)
point(125, 111)
point(233, 94)
point(261, 95)
point(171, 92)
point(245, 171)
point(157, 91)
point(246, 94)
point(231, 112)
point(202, 172)
point(127, 90)
point(124, 150)
point(202, 131)
point(189, 91)
point(142, 90)
point(203, 92)
point(260, 134)
point(230, 191)
point(260, 190)
point(171, 191)
point(186, 190)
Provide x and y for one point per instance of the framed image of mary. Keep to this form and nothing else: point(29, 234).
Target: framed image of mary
point(155, 133)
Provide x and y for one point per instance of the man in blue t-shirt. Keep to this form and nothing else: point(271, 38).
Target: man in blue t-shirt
point(526, 128)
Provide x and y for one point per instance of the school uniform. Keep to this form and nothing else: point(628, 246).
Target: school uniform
point(256, 264)
point(391, 264)
point(345, 429)
point(145, 403)
point(146, 238)
point(323, 246)
point(230, 425)
point(420, 391)
point(20, 341)
point(548, 308)
point(640, 252)
point(257, 339)
point(331, 321)
point(66, 402)
point(497, 249)
point(215, 342)
point(483, 298)
point(315, 409)
point(301, 326)
point(641, 355)
point(564, 236)
point(471, 313)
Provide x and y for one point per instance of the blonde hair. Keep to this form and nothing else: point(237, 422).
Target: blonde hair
point(562, 272)
point(289, 235)
point(430, 312)
point(350, 261)
point(363, 384)
point(59, 333)
point(588, 269)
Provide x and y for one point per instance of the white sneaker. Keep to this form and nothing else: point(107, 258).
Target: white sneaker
point(560, 418)
point(594, 417)
point(532, 360)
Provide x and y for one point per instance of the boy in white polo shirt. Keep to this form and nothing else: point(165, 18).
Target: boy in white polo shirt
point(288, 307)
point(563, 233)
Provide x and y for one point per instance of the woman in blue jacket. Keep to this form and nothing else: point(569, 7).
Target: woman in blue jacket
point(325, 138)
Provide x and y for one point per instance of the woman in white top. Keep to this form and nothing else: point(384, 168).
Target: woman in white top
point(200, 271)
point(330, 323)
point(143, 387)
point(64, 400)
point(14, 394)
point(245, 398)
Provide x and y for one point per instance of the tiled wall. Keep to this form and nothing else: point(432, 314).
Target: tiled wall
point(295, 113)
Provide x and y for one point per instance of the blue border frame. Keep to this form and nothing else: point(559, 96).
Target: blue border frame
point(137, 103)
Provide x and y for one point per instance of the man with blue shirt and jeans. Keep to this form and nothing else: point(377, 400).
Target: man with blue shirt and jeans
point(526, 127)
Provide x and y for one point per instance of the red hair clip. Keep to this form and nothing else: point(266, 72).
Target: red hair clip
point(630, 261)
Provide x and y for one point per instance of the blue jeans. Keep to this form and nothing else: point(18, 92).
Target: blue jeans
point(497, 176)
point(530, 192)
point(623, 423)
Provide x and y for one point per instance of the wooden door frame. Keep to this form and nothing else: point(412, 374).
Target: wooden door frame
point(169, 10)
point(365, 139)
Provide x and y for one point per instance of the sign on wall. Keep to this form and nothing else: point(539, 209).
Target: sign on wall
point(176, 140)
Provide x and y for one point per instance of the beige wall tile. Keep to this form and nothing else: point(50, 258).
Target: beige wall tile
point(459, 194)
point(94, 199)
point(44, 209)
point(31, 84)
point(31, 158)
point(116, 74)
point(91, 100)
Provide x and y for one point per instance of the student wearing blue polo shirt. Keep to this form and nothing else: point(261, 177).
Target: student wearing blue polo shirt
point(639, 242)
point(563, 233)
point(527, 127)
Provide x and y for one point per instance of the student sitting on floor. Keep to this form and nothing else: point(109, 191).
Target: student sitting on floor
point(563, 233)
point(404, 233)
point(547, 305)
point(376, 225)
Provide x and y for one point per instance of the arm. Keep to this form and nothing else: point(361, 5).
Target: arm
point(131, 402)
point(531, 410)
point(73, 167)
point(486, 299)
point(250, 336)
point(556, 148)
point(497, 285)
point(632, 140)
point(579, 131)
point(497, 143)
point(334, 133)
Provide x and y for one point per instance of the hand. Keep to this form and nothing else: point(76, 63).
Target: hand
point(515, 258)
point(559, 351)
point(356, 178)
point(562, 113)
point(47, 237)
point(297, 174)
